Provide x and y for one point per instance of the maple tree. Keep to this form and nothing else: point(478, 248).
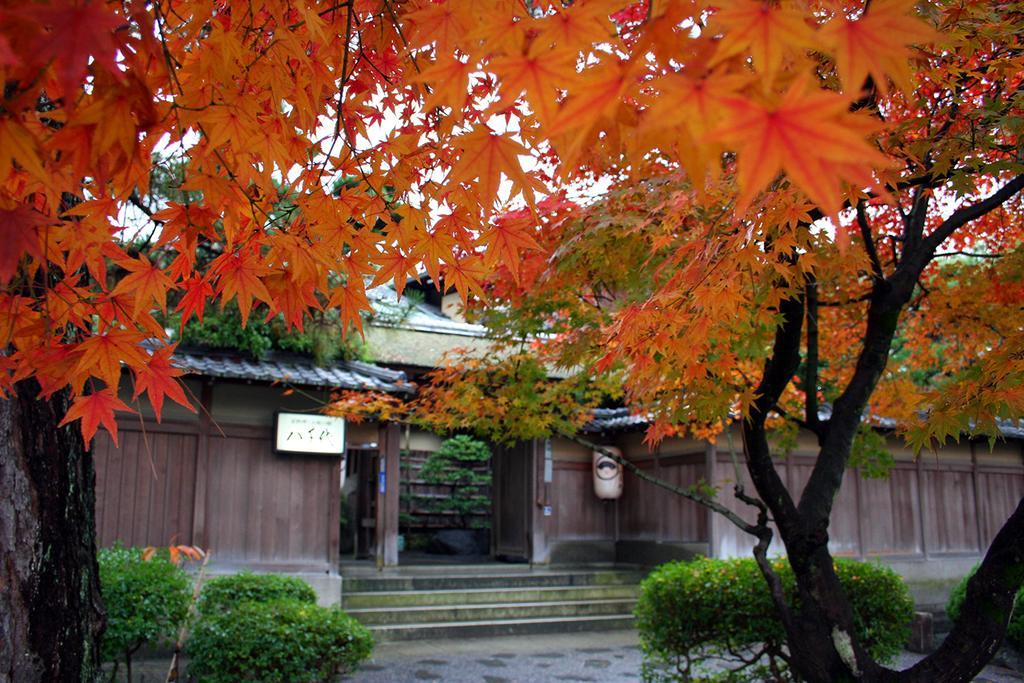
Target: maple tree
point(465, 123)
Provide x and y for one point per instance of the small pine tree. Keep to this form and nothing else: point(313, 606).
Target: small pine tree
point(462, 462)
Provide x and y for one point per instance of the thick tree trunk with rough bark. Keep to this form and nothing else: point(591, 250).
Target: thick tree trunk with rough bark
point(50, 610)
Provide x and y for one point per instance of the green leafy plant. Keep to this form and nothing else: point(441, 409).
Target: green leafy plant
point(285, 641)
point(1014, 630)
point(463, 463)
point(322, 337)
point(714, 620)
point(146, 601)
point(224, 593)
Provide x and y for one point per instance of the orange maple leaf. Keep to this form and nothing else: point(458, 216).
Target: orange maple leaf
point(158, 378)
point(197, 291)
point(397, 266)
point(147, 282)
point(466, 274)
point(506, 238)
point(876, 45)
point(486, 155)
point(239, 276)
point(810, 134)
point(102, 355)
point(95, 409)
point(350, 299)
point(765, 31)
point(538, 74)
point(19, 234)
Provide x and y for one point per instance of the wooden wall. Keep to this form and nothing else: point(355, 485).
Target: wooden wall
point(649, 512)
point(946, 506)
point(222, 489)
point(645, 512)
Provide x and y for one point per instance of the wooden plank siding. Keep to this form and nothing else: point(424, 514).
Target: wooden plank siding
point(924, 509)
point(225, 491)
point(645, 512)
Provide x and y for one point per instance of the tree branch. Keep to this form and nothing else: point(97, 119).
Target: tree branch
point(967, 214)
point(811, 361)
point(714, 506)
point(869, 241)
point(779, 369)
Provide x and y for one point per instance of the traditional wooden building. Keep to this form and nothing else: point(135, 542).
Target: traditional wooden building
point(216, 479)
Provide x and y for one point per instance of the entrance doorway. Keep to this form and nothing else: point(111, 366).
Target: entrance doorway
point(514, 498)
point(444, 510)
point(359, 503)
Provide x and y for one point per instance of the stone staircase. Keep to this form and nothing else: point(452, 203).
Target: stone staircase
point(464, 601)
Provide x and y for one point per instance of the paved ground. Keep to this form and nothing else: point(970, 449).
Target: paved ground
point(609, 657)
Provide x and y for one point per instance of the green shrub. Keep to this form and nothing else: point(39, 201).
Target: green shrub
point(461, 462)
point(146, 601)
point(701, 620)
point(1015, 629)
point(223, 593)
point(283, 641)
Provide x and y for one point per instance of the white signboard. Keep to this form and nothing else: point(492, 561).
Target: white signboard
point(309, 433)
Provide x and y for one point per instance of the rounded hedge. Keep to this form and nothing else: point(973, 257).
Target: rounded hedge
point(284, 641)
point(146, 600)
point(222, 593)
point(1014, 630)
point(697, 617)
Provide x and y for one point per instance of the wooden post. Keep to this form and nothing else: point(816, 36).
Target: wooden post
point(388, 483)
point(199, 538)
point(334, 517)
point(710, 460)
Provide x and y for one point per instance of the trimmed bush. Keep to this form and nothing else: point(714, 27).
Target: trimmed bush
point(276, 642)
point(146, 601)
point(462, 463)
point(706, 619)
point(1015, 629)
point(223, 593)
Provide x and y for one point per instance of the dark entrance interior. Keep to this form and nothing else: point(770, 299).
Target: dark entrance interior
point(513, 501)
point(359, 503)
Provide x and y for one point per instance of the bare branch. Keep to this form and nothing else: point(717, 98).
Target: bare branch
point(712, 505)
point(969, 213)
point(869, 241)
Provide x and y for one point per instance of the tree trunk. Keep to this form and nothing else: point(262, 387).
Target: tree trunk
point(51, 615)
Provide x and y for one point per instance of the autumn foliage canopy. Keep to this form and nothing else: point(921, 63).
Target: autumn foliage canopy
point(727, 128)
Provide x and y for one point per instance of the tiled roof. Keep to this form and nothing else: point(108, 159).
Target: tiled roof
point(613, 420)
point(293, 369)
point(621, 419)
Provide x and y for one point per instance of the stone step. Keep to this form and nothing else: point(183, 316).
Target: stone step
point(492, 612)
point(501, 627)
point(359, 583)
point(423, 598)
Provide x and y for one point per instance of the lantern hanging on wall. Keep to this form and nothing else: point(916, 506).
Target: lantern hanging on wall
point(607, 475)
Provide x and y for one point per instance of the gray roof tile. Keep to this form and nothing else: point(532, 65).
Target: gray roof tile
point(277, 367)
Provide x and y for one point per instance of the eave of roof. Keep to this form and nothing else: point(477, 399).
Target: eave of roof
point(293, 369)
point(622, 419)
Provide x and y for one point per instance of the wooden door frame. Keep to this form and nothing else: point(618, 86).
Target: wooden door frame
point(526, 507)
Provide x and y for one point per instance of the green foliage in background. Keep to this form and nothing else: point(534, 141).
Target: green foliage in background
point(322, 338)
point(223, 593)
point(1015, 629)
point(714, 620)
point(284, 641)
point(463, 463)
point(146, 601)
